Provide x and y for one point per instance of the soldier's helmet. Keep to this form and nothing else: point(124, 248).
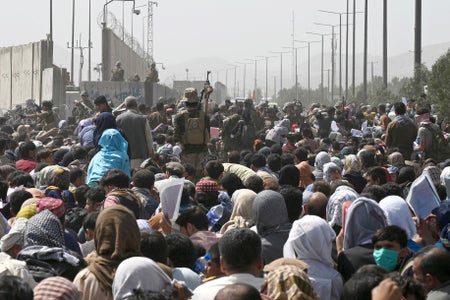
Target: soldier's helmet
point(190, 95)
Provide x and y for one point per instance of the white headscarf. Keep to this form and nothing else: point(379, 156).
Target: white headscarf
point(139, 272)
point(364, 218)
point(310, 239)
point(398, 213)
point(334, 207)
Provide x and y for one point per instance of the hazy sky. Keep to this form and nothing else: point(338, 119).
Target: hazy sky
point(232, 30)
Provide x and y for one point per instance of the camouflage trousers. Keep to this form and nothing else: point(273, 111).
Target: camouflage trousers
point(196, 160)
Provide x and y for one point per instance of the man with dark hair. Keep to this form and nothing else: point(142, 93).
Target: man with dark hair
point(254, 183)
point(301, 154)
point(143, 182)
point(15, 288)
point(431, 268)
point(27, 153)
point(159, 116)
point(360, 285)
point(181, 251)
point(214, 170)
point(116, 184)
point(390, 248)
point(293, 197)
point(193, 223)
point(154, 246)
point(89, 229)
point(94, 199)
point(16, 199)
point(376, 176)
point(241, 261)
point(401, 132)
point(104, 120)
point(136, 129)
point(258, 164)
point(77, 178)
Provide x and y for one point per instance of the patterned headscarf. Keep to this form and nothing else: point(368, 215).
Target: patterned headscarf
point(206, 186)
point(342, 194)
point(396, 159)
point(56, 288)
point(352, 163)
point(44, 229)
point(54, 205)
point(289, 282)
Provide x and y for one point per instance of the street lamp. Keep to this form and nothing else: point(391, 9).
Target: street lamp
point(309, 65)
point(340, 47)
point(187, 74)
point(267, 73)
point(108, 2)
point(245, 75)
point(321, 65)
point(296, 68)
point(256, 75)
point(332, 56)
point(235, 80)
point(281, 70)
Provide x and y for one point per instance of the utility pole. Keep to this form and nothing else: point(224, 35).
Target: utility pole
point(418, 37)
point(309, 66)
point(281, 69)
point(385, 44)
point(73, 43)
point(372, 85)
point(353, 52)
point(245, 75)
point(321, 64)
point(366, 17)
point(333, 64)
point(267, 74)
point(80, 47)
point(89, 44)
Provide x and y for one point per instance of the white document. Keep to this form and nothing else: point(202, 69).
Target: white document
point(170, 197)
point(422, 196)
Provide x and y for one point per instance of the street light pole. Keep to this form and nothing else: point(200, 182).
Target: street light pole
point(245, 75)
point(309, 65)
point(256, 75)
point(321, 67)
point(267, 74)
point(366, 17)
point(281, 70)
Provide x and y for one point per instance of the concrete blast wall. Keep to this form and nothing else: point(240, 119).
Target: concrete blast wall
point(113, 50)
point(22, 74)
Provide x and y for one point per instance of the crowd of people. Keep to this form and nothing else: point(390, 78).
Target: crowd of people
point(287, 203)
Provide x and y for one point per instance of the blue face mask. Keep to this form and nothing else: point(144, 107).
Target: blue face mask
point(386, 258)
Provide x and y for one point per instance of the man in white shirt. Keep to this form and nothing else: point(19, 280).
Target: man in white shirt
point(241, 261)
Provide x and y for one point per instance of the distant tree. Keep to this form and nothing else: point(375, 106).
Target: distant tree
point(413, 87)
point(439, 84)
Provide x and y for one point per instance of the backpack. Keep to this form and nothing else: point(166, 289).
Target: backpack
point(440, 148)
point(194, 129)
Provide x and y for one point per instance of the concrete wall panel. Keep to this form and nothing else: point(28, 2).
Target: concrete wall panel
point(116, 50)
point(5, 77)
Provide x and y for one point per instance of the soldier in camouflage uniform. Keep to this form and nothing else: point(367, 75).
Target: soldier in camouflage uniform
point(191, 129)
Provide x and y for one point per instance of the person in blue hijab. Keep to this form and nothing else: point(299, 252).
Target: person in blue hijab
point(113, 155)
